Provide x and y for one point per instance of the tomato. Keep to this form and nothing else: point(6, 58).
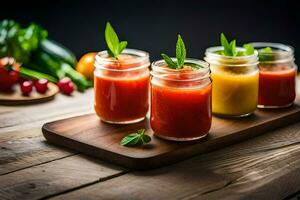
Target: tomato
point(9, 73)
point(85, 65)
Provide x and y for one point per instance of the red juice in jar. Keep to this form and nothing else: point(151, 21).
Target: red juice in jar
point(277, 75)
point(180, 102)
point(277, 88)
point(122, 87)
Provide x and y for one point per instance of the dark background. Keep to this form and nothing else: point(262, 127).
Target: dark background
point(153, 25)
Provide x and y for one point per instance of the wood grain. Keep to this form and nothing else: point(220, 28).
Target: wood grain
point(16, 97)
point(55, 177)
point(89, 135)
point(22, 149)
point(21, 142)
point(266, 167)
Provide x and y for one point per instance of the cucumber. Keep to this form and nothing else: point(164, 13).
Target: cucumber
point(29, 73)
point(58, 51)
point(43, 62)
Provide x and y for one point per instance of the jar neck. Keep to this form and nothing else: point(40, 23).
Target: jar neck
point(280, 53)
point(162, 71)
point(214, 58)
point(128, 60)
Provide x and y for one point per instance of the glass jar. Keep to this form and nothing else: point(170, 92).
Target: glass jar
point(277, 75)
point(180, 101)
point(235, 83)
point(122, 86)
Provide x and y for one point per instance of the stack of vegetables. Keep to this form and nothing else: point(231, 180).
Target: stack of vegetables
point(27, 52)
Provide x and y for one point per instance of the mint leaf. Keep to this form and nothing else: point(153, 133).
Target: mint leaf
point(130, 140)
point(122, 46)
point(225, 44)
point(180, 52)
point(249, 49)
point(232, 46)
point(169, 61)
point(193, 65)
point(115, 47)
point(266, 50)
point(265, 54)
point(180, 55)
point(135, 139)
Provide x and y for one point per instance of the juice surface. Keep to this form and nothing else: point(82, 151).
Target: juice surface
point(235, 91)
point(121, 96)
point(277, 88)
point(179, 112)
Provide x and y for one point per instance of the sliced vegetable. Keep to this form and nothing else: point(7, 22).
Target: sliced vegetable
point(66, 86)
point(41, 85)
point(26, 87)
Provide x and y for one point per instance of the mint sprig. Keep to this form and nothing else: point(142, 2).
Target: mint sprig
point(265, 54)
point(115, 47)
point(180, 55)
point(136, 139)
point(230, 48)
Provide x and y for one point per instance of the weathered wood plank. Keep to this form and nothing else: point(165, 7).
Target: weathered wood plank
point(21, 149)
point(55, 177)
point(21, 142)
point(21, 117)
point(266, 167)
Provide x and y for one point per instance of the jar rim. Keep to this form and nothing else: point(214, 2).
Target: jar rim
point(211, 55)
point(211, 51)
point(284, 53)
point(142, 57)
point(161, 72)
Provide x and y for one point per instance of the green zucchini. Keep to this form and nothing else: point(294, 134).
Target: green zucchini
point(58, 51)
point(43, 62)
point(29, 73)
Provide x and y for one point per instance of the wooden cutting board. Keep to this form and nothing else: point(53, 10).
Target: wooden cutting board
point(16, 97)
point(87, 134)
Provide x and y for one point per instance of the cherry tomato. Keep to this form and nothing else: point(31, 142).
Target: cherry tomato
point(66, 86)
point(26, 87)
point(41, 85)
point(9, 73)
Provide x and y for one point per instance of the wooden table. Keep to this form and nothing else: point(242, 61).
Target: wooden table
point(265, 167)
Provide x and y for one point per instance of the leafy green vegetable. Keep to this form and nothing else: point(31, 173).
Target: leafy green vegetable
point(265, 54)
point(180, 55)
point(230, 48)
point(19, 42)
point(136, 139)
point(115, 47)
point(39, 56)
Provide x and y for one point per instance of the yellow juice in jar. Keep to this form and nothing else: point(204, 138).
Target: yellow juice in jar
point(235, 90)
